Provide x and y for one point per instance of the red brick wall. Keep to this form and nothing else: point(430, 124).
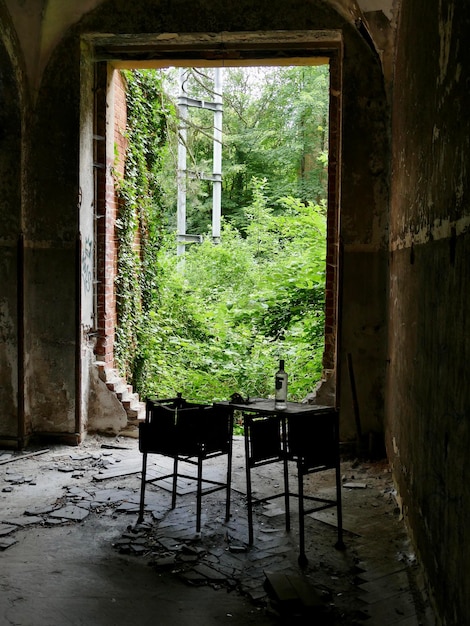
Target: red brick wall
point(107, 210)
point(332, 245)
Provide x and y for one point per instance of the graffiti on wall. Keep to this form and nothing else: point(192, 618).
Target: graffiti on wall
point(87, 264)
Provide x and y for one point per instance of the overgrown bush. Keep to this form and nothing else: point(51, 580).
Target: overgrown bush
point(228, 312)
point(217, 320)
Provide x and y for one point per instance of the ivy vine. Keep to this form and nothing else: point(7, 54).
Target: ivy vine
point(139, 225)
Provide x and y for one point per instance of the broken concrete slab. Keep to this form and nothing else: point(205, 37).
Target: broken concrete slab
point(81, 457)
point(26, 520)
point(66, 468)
point(71, 513)
point(41, 510)
point(7, 542)
point(113, 496)
point(6, 529)
point(127, 507)
point(355, 485)
point(51, 521)
point(14, 479)
point(293, 594)
point(169, 543)
point(77, 492)
point(209, 573)
point(125, 468)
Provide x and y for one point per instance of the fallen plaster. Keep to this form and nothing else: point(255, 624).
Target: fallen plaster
point(63, 488)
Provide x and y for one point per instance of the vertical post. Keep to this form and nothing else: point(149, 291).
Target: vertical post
point(21, 427)
point(217, 156)
point(182, 138)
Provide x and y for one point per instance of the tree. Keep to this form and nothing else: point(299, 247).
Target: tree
point(275, 127)
point(222, 324)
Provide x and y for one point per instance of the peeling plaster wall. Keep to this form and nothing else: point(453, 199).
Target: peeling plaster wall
point(364, 206)
point(428, 403)
point(86, 314)
point(52, 198)
point(364, 232)
point(10, 219)
point(52, 267)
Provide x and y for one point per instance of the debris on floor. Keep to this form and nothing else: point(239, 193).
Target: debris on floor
point(370, 583)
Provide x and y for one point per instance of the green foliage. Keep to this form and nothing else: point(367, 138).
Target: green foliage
point(217, 321)
point(234, 309)
point(139, 223)
point(275, 127)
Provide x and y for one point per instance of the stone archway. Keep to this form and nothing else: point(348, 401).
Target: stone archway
point(12, 426)
point(363, 164)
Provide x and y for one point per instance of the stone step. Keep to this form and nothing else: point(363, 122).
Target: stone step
point(136, 413)
point(135, 409)
point(116, 384)
point(129, 400)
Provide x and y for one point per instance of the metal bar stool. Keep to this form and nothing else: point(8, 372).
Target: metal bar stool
point(265, 443)
point(313, 442)
point(190, 433)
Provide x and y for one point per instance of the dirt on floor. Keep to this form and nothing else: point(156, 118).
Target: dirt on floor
point(72, 551)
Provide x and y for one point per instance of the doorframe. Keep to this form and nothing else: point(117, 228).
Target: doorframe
point(243, 49)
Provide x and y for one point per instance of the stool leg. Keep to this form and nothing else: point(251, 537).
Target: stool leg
point(302, 556)
point(248, 483)
point(199, 494)
point(175, 481)
point(229, 471)
point(140, 519)
point(286, 474)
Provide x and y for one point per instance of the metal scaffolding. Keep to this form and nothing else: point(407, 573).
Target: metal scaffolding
point(215, 105)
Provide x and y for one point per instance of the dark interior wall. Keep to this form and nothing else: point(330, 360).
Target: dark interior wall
point(428, 401)
point(51, 230)
point(364, 238)
point(10, 241)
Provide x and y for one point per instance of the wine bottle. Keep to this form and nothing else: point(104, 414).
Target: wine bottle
point(280, 397)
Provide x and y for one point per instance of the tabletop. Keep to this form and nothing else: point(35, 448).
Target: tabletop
point(265, 406)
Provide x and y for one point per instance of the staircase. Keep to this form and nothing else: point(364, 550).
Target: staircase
point(130, 401)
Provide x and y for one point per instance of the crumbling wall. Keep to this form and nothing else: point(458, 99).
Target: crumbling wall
point(364, 240)
point(364, 184)
point(52, 255)
point(51, 177)
point(428, 399)
point(11, 243)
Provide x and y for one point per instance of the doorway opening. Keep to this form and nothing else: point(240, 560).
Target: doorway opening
point(258, 209)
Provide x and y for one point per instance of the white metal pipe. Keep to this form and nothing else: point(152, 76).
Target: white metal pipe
point(217, 155)
point(181, 176)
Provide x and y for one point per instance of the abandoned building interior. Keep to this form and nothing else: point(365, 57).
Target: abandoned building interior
point(398, 225)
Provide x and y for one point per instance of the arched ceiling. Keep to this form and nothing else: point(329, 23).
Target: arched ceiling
point(41, 24)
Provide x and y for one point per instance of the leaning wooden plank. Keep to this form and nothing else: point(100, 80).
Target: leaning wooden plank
point(24, 456)
point(281, 587)
point(120, 469)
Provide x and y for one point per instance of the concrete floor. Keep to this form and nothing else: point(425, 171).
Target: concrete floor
point(72, 553)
